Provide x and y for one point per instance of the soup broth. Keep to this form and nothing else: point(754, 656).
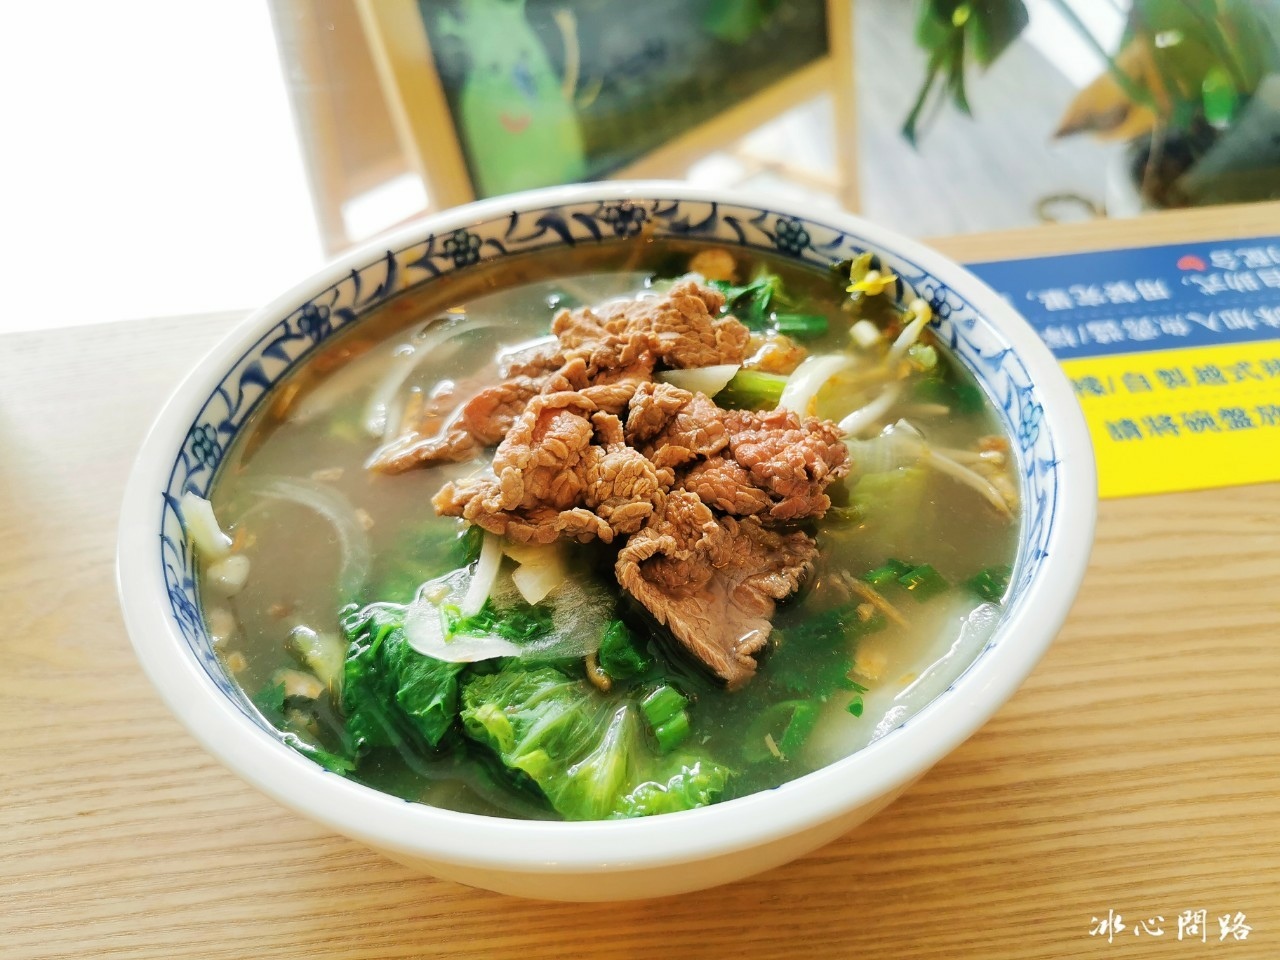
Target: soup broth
point(912, 562)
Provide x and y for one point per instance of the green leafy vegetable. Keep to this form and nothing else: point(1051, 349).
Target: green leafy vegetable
point(392, 695)
point(892, 503)
point(582, 748)
point(751, 390)
point(753, 302)
point(270, 701)
point(519, 623)
point(694, 783)
point(424, 553)
point(330, 761)
point(619, 656)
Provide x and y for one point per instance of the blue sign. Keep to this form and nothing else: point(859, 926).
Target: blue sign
point(1149, 298)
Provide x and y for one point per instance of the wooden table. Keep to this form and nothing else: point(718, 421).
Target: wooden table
point(1137, 771)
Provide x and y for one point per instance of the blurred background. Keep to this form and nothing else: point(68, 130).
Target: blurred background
point(203, 158)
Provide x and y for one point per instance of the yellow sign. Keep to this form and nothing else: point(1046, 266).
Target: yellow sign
point(1185, 419)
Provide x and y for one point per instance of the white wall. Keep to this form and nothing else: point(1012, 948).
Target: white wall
point(148, 162)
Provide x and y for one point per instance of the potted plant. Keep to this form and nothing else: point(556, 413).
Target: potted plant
point(1194, 88)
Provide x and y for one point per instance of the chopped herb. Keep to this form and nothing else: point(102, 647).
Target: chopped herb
point(800, 324)
point(888, 572)
point(664, 708)
point(856, 705)
point(990, 584)
point(619, 655)
point(923, 582)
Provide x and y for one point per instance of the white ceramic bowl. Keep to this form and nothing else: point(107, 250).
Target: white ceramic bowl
point(616, 859)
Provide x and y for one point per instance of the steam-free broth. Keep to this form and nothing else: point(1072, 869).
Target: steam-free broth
point(330, 558)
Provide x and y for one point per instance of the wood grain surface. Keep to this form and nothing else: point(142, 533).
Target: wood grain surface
point(1137, 770)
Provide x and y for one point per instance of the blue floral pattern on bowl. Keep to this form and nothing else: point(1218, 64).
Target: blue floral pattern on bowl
point(977, 343)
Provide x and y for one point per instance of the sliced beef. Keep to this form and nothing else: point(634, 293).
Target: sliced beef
point(681, 329)
point(610, 388)
point(740, 462)
point(713, 583)
point(672, 427)
point(480, 422)
point(775, 464)
point(562, 472)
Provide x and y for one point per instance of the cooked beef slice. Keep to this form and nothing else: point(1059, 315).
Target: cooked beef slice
point(671, 426)
point(610, 388)
point(740, 462)
point(774, 464)
point(562, 472)
point(480, 422)
point(682, 329)
point(713, 583)
point(604, 355)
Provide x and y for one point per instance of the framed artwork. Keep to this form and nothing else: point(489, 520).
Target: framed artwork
point(493, 96)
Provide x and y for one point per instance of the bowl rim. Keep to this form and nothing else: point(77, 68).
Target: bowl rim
point(477, 841)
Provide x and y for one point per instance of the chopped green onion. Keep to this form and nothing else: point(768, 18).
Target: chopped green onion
point(663, 704)
point(888, 572)
point(856, 705)
point(664, 709)
point(752, 390)
point(800, 324)
point(672, 733)
point(923, 582)
point(990, 584)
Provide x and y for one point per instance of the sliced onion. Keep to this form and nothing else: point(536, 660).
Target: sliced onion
point(426, 625)
point(542, 569)
point(898, 445)
point(347, 380)
point(424, 348)
point(707, 380)
point(810, 377)
point(424, 628)
point(902, 445)
point(337, 510)
point(202, 527)
point(483, 577)
point(865, 416)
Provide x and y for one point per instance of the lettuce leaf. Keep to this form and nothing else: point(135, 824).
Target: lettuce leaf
point(585, 750)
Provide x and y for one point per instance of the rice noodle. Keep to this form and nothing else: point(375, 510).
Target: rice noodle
point(810, 377)
point(333, 507)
